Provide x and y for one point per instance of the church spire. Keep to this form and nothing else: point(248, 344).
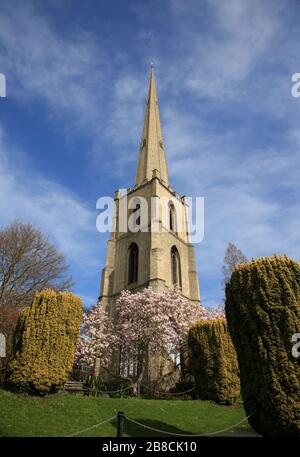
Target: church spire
point(152, 153)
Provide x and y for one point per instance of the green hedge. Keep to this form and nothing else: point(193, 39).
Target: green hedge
point(213, 361)
point(263, 312)
point(44, 342)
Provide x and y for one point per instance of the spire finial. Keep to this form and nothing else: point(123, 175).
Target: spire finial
point(152, 154)
point(151, 64)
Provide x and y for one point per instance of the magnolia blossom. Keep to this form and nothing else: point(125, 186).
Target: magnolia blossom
point(146, 323)
point(96, 339)
point(213, 313)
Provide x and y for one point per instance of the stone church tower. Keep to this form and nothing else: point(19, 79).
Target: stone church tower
point(158, 252)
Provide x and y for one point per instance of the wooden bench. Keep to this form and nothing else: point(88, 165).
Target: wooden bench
point(76, 386)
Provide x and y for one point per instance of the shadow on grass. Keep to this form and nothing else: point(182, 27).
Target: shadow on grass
point(135, 430)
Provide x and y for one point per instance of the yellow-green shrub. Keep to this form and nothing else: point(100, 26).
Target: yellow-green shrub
point(263, 312)
point(213, 361)
point(45, 340)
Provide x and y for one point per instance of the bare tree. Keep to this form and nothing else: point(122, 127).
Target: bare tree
point(233, 256)
point(28, 262)
point(8, 321)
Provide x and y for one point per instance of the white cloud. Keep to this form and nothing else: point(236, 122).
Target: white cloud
point(218, 59)
point(68, 221)
point(251, 194)
point(72, 74)
point(67, 71)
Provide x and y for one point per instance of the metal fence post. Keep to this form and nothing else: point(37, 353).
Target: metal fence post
point(120, 422)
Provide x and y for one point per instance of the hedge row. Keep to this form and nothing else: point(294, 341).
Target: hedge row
point(213, 361)
point(44, 342)
point(263, 312)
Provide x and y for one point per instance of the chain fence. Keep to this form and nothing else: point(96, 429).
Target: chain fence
point(121, 418)
point(111, 391)
point(165, 432)
point(157, 392)
point(91, 428)
point(172, 394)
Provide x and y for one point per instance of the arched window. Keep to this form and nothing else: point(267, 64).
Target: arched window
point(172, 217)
point(175, 266)
point(133, 263)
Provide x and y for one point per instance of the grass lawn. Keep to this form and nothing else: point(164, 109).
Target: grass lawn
point(62, 414)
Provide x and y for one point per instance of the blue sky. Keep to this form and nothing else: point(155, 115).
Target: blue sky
point(77, 76)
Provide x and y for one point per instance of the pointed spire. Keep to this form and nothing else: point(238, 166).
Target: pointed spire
point(152, 154)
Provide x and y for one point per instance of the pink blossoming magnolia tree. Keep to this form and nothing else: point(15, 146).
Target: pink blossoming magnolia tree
point(152, 324)
point(146, 324)
point(97, 339)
